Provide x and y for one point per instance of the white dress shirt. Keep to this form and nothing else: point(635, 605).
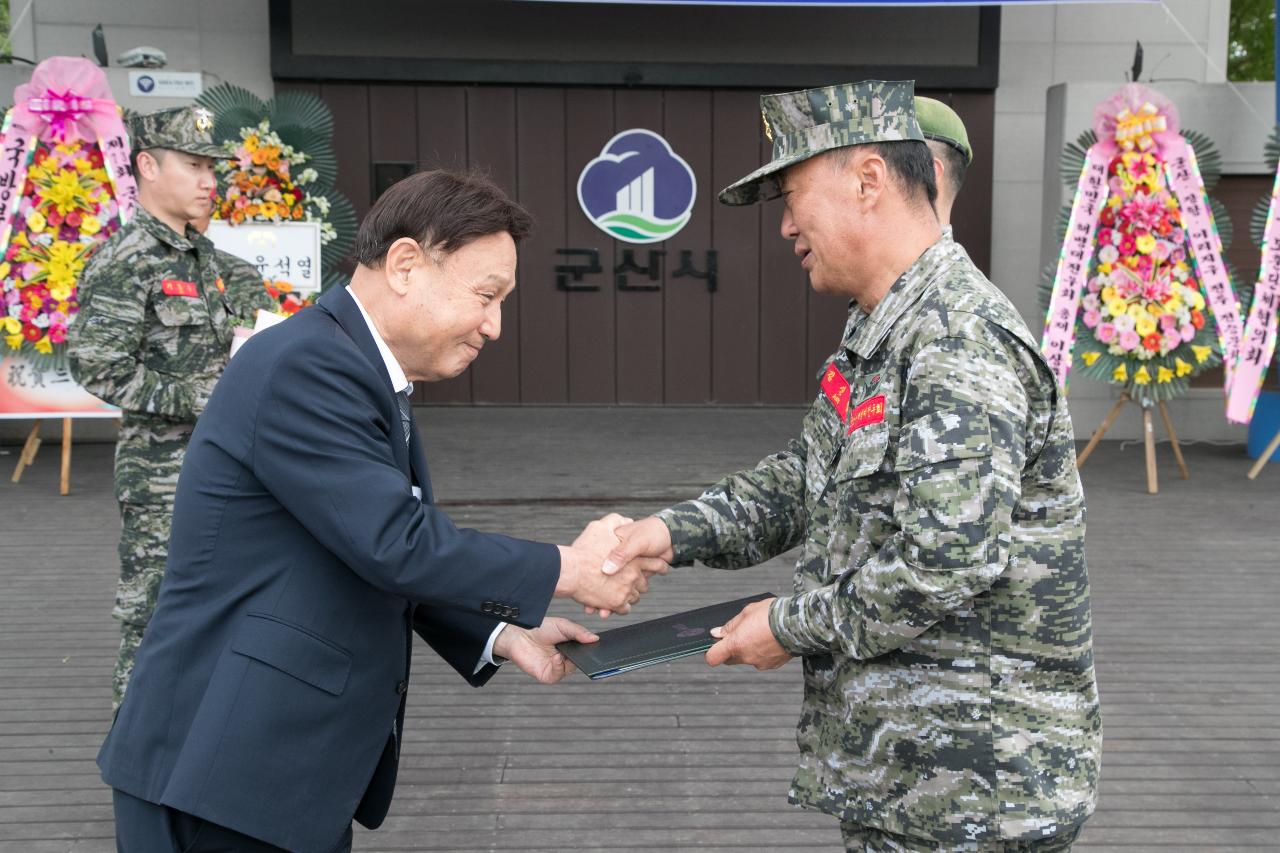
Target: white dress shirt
point(401, 384)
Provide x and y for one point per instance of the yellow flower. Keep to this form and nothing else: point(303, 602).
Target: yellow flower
point(67, 193)
point(14, 341)
point(1145, 325)
point(1141, 377)
point(11, 325)
point(90, 225)
point(36, 221)
point(1154, 309)
point(269, 209)
point(1089, 358)
point(1163, 374)
point(5, 269)
point(1174, 304)
point(1117, 308)
point(1197, 300)
point(251, 144)
point(64, 264)
point(1145, 243)
point(1108, 293)
point(1104, 268)
point(1137, 313)
point(20, 239)
point(44, 346)
point(82, 165)
point(1120, 374)
point(1201, 353)
point(1182, 366)
point(60, 292)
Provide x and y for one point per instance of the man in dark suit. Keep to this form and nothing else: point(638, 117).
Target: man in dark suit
point(266, 708)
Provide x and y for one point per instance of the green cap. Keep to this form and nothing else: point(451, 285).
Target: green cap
point(938, 121)
point(186, 129)
point(806, 123)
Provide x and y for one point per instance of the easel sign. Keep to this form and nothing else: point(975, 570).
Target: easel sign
point(280, 251)
point(31, 393)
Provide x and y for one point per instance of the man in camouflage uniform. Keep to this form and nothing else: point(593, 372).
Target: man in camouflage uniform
point(948, 142)
point(152, 337)
point(941, 603)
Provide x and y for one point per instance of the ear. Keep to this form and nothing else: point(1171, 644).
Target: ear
point(402, 257)
point(873, 177)
point(939, 171)
point(148, 165)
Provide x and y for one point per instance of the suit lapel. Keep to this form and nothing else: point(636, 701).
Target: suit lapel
point(338, 303)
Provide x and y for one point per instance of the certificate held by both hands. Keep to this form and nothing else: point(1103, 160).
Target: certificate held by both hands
point(656, 641)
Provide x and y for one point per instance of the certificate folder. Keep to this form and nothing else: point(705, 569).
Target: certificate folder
point(656, 641)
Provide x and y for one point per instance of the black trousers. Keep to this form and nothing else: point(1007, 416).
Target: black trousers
point(143, 827)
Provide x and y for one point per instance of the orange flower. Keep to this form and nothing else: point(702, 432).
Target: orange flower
point(297, 211)
point(1152, 342)
point(260, 157)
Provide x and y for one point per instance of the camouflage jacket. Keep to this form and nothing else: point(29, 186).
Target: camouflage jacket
point(156, 319)
point(941, 597)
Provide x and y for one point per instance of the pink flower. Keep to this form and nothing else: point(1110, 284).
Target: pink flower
point(1187, 333)
point(1172, 340)
point(1106, 332)
point(1127, 246)
point(1108, 254)
point(1094, 285)
point(1162, 250)
point(1129, 341)
point(1167, 322)
point(1177, 256)
point(1092, 318)
point(1104, 237)
point(57, 334)
point(1179, 235)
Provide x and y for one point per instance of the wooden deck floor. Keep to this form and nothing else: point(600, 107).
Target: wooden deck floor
point(1186, 591)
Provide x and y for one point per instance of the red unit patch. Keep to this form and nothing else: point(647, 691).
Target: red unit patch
point(868, 412)
point(836, 387)
point(178, 287)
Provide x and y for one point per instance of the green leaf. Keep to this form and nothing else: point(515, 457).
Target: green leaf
point(293, 108)
point(1258, 221)
point(326, 166)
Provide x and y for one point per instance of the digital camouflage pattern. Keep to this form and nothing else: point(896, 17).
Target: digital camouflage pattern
point(941, 598)
point(140, 343)
point(808, 122)
point(188, 129)
point(863, 839)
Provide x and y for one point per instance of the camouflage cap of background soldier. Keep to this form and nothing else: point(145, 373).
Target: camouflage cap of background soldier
point(806, 123)
point(939, 122)
point(186, 129)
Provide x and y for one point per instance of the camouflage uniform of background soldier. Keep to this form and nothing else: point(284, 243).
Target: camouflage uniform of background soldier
point(157, 310)
point(941, 600)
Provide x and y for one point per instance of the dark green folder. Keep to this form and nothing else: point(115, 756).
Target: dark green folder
point(656, 641)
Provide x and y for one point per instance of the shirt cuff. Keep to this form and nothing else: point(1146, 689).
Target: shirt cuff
point(486, 659)
point(796, 623)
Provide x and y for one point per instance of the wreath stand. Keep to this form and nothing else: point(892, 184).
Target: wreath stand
point(1149, 440)
point(28, 454)
point(1266, 454)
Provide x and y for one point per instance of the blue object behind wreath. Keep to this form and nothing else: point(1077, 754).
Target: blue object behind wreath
point(1265, 425)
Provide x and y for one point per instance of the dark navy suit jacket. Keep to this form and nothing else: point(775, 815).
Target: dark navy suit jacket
point(269, 690)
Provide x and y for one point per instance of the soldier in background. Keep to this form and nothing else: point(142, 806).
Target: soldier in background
point(941, 597)
point(152, 337)
point(948, 141)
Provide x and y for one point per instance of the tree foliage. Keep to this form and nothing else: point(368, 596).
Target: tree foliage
point(1251, 51)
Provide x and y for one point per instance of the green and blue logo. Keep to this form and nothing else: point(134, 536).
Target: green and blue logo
point(638, 190)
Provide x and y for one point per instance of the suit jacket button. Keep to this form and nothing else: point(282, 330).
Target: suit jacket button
point(515, 613)
point(487, 607)
point(402, 688)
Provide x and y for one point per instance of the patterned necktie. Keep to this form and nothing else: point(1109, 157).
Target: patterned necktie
point(406, 413)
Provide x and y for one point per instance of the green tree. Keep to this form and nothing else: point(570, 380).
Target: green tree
point(6, 46)
point(1251, 52)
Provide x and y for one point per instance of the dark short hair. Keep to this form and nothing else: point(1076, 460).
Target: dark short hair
point(954, 164)
point(157, 153)
point(910, 164)
point(443, 211)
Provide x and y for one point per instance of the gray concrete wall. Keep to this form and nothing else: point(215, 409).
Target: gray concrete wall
point(225, 40)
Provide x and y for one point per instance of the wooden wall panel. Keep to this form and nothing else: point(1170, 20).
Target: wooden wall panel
point(688, 311)
point(735, 319)
point(491, 147)
point(592, 331)
point(540, 169)
point(760, 338)
point(441, 143)
point(639, 314)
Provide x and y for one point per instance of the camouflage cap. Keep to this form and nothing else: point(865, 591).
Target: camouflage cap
point(806, 123)
point(938, 121)
point(187, 129)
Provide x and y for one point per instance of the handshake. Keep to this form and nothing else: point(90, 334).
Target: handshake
point(606, 570)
